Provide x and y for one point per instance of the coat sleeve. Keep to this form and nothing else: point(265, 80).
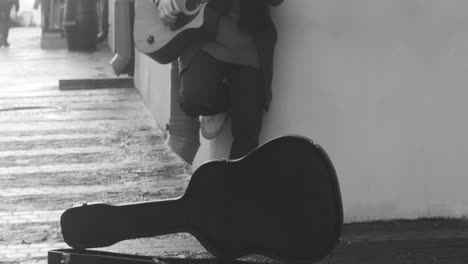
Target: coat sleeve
point(275, 2)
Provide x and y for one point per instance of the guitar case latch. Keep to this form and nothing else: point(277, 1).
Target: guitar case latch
point(65, 258)
point(158, 261)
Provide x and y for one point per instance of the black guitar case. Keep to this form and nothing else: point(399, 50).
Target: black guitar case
point(282, 200)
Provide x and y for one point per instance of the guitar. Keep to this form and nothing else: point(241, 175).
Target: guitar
point(164, 43)
point(282, 200)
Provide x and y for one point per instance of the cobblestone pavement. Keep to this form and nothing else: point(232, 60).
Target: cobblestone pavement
point(64, 148)
point(102, 145)
point(25, 66)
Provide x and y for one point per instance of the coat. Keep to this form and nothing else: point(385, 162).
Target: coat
point(8, 4)
point(265, 42)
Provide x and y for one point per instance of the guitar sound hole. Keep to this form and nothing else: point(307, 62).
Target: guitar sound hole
point(192, 5)
point(181, 21)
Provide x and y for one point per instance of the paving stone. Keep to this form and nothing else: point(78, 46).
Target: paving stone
point(31, 216)
point(81, 146)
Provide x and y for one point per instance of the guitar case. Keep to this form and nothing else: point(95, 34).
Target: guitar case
point(73, 256)
point(282, 201)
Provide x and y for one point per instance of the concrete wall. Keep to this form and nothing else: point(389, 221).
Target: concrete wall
point(111, 39)
point(153, 81)
point(381, 85)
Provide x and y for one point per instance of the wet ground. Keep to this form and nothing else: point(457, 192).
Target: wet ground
point(64, 148)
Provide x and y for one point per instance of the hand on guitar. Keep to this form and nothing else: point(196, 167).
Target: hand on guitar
point(168, 11)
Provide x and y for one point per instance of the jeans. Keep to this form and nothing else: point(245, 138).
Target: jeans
point(210, 86)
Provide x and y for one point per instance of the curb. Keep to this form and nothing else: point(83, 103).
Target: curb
point(83, 84)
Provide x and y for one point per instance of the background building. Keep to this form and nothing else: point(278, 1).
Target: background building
point(27, 15)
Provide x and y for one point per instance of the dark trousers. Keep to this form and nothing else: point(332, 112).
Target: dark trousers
point(184, 130)
point(210, 86)
point(4, 24)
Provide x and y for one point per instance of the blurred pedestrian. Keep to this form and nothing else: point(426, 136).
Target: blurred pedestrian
point(5, 20)
point(36, 5)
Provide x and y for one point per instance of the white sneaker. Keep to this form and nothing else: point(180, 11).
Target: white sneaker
point(211, 126)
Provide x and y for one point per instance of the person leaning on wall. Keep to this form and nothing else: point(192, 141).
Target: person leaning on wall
point(229, 72)
point(5, 21)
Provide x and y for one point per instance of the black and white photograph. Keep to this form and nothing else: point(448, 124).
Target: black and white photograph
point(233, 131)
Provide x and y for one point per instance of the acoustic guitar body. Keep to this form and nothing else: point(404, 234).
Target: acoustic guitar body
point(282, 200)
point(165, 43)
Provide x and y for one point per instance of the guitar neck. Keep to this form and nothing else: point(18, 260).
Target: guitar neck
point(102, 225)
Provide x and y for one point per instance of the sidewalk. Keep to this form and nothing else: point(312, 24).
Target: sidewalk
point(103, 145)
point(65, 148)
point(24, 66)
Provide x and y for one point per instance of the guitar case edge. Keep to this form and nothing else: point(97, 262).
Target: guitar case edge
point(74, 256)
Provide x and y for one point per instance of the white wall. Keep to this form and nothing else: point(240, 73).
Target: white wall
point(381, 85)
point(153, 82)
point(111, 39)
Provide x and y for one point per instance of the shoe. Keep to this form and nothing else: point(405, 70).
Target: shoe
point(211, 126)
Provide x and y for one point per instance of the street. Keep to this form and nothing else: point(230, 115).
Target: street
point(64, 148)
